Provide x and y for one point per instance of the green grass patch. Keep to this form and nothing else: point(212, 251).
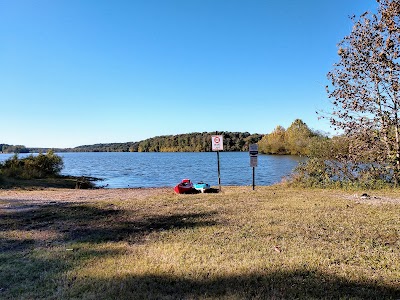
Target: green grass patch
point(272, 243)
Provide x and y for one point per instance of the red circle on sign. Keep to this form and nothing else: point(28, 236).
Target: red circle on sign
point(216, 140)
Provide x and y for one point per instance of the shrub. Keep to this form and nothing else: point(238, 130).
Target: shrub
point(40, 166)
point(333, 164)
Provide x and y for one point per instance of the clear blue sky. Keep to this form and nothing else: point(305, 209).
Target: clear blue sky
point(76, 72)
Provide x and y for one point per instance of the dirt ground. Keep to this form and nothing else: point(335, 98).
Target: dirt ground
point(371, 198)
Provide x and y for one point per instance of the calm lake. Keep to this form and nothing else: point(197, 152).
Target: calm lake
point(138, 169)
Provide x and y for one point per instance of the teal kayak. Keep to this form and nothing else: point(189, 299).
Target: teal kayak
point(201, 186)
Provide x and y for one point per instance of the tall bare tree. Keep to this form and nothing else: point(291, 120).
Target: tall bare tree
point(365, 87)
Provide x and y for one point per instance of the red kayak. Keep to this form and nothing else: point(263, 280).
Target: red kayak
point(186, 186)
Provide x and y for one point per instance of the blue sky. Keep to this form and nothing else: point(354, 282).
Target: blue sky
point(78, 72)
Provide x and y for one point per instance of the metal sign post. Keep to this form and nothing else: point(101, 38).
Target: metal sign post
point(218, 145)
point(254, 178)
point(219, 172)
point(253, 152)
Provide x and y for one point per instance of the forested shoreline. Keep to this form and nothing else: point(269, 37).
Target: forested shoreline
point(295, 140)
point(190, 142)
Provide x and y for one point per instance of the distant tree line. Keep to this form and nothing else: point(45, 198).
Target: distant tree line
point(198, 142)
point(190, 142)
point(295, 140)
point(4, 148)
point(109, 147)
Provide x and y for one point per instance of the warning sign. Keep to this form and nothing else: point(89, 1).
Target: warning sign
point(217, 143)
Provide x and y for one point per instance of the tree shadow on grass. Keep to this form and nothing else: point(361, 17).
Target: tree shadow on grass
point(15, 245)
point(41, 274)
point(137, 230)
point(87, 223)
point(22, 270)
point(77, 222)
point(299, 284)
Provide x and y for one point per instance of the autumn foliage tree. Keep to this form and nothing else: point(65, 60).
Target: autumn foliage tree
point(298, 137)
point(364, 92)
point(294, 140)
point(274, 142)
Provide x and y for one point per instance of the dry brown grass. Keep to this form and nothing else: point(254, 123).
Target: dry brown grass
point(272, 243)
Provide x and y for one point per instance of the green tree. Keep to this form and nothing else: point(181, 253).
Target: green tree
point(40, 166)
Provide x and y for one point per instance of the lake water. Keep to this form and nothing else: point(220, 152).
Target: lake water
point(138, 169)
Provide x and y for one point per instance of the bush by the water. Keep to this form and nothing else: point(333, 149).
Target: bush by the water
point(39, 166)
point(339, 163)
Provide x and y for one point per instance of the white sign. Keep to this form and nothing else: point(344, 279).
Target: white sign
point(253, 161)
point(217, 143)
point(253, 149)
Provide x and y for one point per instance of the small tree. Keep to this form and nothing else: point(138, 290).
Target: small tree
point(365, 88)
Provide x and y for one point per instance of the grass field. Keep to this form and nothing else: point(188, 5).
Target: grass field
point(272, 243)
